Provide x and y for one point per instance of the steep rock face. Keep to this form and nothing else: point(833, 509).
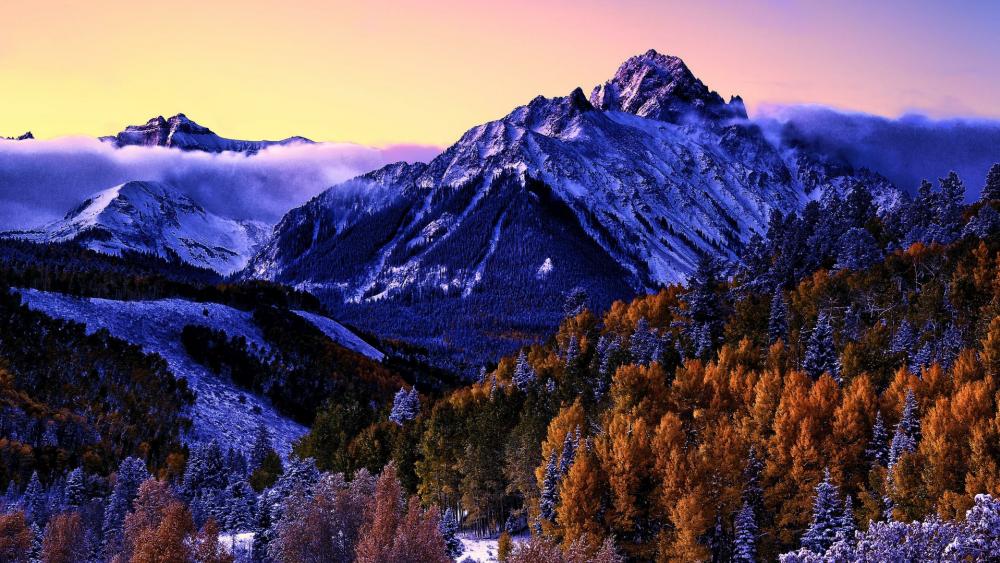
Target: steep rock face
point(618, 193)
point(182, 133)
point(151, 217)
point(662, 87)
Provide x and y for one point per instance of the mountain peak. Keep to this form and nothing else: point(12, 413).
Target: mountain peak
point(181, 132)
point(661, 87)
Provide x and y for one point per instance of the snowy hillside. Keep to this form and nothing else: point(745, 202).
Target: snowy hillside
point(152, 217)
point(222, 410)
point(182, 133)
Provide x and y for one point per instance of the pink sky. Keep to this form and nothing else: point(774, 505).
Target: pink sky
point(381, 73)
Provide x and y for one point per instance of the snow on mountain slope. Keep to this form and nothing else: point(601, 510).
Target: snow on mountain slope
point(341, 335)
point(619, 193)
point(655, 168)
point(152, 217)
point(182, 133)
point(221, 411)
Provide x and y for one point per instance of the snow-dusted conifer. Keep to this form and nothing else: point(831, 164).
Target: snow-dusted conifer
point(449, 531)
point(904, 339)
point(745, 541)
point(643, 343)
point(260, 448)
point(826, 517)
point(907, 433)
point(75, 492)
point(524, 375)
point(991, 190)
point(777, 322)
point(821, 354)
point(34, 499)
point(550, 490)
point(877, 451)
point(131, 473)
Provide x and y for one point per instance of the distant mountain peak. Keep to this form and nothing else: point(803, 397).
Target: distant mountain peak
point(25, 137)
point(181, 132)
point(155, 218)
point(662, 87)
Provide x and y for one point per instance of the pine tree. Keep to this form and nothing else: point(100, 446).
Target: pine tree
point(643, 344)
point(922, 359)
point(991, 191)
point(76, 489)
point(904, 339)
point(907, 434)
point(857, 249)
point(34, 500)
point(878, 447)
point(524, 375)
point(745, 541)
point(568, 452)
point(826, 517)
point(847, 525)
point(449, 531)
point(821, 354)
point(550, 490)
point(705, 311)
point(131, 474)
point(949, 346)
point(777, 322)
point(205, 471)
point(240, 507)
point(753, 492)
point(261, 446)
point(405, 406)
point(572, 351)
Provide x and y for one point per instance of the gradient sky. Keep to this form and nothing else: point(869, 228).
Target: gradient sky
point(377, 72)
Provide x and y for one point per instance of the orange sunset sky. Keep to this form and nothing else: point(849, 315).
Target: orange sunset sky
point(380, 72)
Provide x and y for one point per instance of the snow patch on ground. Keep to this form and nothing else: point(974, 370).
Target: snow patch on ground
point(484, 550)
point(222, 411)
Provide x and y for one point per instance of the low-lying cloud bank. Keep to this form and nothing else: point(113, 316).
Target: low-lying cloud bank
point(41, 180)
point(905, 150)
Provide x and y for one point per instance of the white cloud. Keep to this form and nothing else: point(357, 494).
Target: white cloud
point(40, 180)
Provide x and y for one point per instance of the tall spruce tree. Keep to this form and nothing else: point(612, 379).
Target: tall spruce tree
point(449, 531)
point(821, 353)
point(991, 191)
point(550, 490)
point(745, 540)
point(907, 434)
point(524, 375)
point(826, 517)
point(131, 473)
point(777, 322)
point(877, 451)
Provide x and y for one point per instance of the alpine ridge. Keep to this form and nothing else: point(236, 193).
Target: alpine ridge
point(619, 193)
point(154, 218)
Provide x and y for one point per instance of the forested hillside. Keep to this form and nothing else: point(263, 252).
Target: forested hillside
point(831, 396)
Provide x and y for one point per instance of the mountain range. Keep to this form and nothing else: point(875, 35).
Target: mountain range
point(617, 193)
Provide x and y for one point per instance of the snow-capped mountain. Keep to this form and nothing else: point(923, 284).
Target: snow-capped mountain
point(619, 193)
point(182, 133)
point(152, 217)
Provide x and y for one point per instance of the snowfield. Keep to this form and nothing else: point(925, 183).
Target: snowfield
point(222, 411)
